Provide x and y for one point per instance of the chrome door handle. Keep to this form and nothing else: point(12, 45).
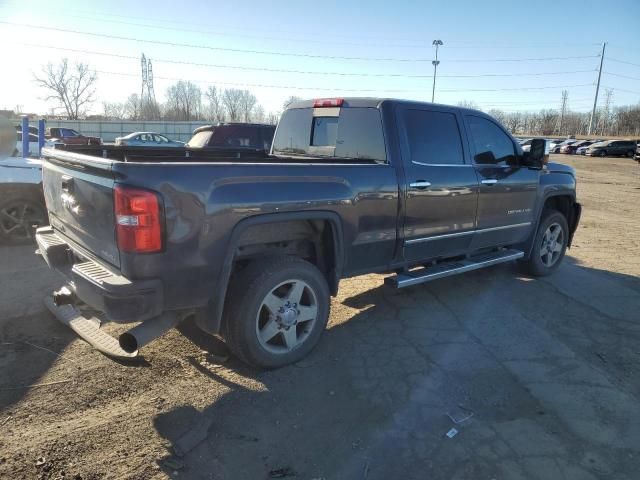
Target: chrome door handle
point(491, 181)
point(420, 184)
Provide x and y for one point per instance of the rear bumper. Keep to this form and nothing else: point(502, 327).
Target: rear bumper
point(120, 299)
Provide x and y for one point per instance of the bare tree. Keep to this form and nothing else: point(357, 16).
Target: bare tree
point(72, 87)
point(232, 101)
point(215, 109)
point(289, 101)
point(499, 115)
point(272, 118)
point(548, 121)
point(184, 101)
point(247, 103)
point(113, 110)
point(132, 107)
point(258, 114)
point(468, 104)
point(512, 121)
point(149, 110)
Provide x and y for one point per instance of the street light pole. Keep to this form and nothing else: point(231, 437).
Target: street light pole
point(435, 63)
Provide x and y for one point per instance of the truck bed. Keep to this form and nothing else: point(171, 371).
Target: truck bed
point(162, 154)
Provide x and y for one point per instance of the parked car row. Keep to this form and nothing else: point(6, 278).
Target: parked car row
point(594, 147)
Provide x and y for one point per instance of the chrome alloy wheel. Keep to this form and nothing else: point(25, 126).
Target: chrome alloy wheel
point(552, 245)
point(286, 316)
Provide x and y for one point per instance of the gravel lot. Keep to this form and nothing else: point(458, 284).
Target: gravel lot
point(547, 370)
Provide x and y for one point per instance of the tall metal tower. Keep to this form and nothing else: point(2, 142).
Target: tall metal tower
point(563, 111)
point(143, 63)
point(152, 94)
point(147, 94)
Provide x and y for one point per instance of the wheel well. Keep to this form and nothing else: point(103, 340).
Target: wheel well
point(561, 203)
point(312, 240)
point(566, 205)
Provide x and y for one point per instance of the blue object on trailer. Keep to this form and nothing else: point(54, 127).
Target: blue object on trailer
point(25, 136)
point(40, 136)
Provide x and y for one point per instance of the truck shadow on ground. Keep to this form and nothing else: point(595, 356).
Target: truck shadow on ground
point(30, 343)
point(394, 368)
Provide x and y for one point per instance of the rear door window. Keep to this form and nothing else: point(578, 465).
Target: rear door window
point(351, 134)
point(433, 137)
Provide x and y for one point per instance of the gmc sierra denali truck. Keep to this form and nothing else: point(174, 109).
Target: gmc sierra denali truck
point(254, 248)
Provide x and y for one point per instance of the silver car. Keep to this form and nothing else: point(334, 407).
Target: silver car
point(147, 139)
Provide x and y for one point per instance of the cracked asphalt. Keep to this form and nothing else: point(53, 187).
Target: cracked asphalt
point(540, 378)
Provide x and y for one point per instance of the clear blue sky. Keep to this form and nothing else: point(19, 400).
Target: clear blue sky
point(233, 33)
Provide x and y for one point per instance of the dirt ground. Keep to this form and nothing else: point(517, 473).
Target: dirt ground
point(539, 377)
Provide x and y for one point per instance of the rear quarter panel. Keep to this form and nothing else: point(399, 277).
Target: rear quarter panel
point(203, 203)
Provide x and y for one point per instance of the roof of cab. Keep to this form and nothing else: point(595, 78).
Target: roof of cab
point(376, 102)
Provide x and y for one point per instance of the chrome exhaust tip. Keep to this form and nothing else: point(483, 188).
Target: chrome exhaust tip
point(64, 296)
point(132, 340)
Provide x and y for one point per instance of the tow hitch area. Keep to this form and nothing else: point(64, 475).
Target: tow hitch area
point(126, 347)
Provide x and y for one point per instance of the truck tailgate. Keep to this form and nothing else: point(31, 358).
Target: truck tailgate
point(78, 191)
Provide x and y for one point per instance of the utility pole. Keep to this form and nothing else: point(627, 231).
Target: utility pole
point(435, 63)
point(595, 100)
point(563, 109)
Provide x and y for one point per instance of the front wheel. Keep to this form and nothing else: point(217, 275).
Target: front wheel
point(549, 245)
point(602, 154)
point(630, 154)
point(276, 311)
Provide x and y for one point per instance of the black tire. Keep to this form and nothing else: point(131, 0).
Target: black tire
point(535, 265)
point(602, 153)
point(630, 154)
point(19, 214)
point(245, 309)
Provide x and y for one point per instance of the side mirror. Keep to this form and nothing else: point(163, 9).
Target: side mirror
point(538, 154)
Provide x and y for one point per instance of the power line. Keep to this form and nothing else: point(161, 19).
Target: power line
point(623, 61)
point(261, 85)
point(623, 90)
point(284, 54)
point(484, 60)
point(517, 89)
point(243, 35)
point(494, 103)
point(305, 72)
point(209, 47)
point(339, 89)
point(621, 76)
point(90, 15)
point(475, 45)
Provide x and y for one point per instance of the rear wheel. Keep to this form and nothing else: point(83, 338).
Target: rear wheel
point(549, 245)
point(602, 153)
point(19, 217)
point(276, 311)
point(630, 154)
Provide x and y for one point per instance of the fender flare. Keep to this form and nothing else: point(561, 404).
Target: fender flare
point(573, 222)
point(210, 319)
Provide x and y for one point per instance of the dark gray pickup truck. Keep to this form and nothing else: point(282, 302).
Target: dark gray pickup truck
point(254, 248)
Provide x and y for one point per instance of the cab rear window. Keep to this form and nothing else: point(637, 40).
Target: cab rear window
point(354, 134)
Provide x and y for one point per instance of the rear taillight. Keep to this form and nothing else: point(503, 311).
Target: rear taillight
point(138, 222)
point(328, 102)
